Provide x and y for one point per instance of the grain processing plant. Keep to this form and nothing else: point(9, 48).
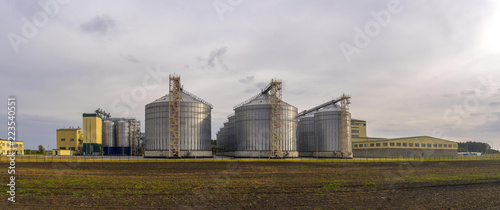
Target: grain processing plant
point(262, 126)
point(178, 124)
point(101, 135)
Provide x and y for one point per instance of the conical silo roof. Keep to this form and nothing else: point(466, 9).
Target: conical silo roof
point(263, 98)
point(329, 108)
point(308, 115)
point(185, 97)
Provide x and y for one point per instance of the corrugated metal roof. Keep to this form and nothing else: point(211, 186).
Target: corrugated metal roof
point(368, 139)
point(329, 108)
point(186, 97)
point(262, 99)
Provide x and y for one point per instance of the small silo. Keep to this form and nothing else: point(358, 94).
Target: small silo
point(108, 137)
point(195, 127)
point(253, 128)
point(327, 127)
point(306, 136)
point(122, 138)
point(133, 140)
point(224, 137)
point(219, 142)
point(231, 138)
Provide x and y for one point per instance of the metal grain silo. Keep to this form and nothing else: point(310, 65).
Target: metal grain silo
point(306, 136)
point(253, 128)
point(133, 133)
point(327, 127)
point(108, 137)
point(224, 138)
point(195, 127)
point(231, 137)
point(122, 138)
point(220, 143)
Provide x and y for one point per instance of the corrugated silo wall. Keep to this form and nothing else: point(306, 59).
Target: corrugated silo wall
point(306, 136)
point(253, 126)
point(231, 135)
point(122, 138)
point(108, 137)
point(195, 125)
point(327, 128)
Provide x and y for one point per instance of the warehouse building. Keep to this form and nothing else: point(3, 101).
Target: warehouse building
point(418, 146)
point(69, 141)
point(16, 147)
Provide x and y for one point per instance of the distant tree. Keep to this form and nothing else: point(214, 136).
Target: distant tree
point(27, 151)
point(472, 146)
point(41, 149)
point(493, 151)
point(214, 142)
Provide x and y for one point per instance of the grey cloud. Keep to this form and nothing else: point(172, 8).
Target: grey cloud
point(468, 92)
point(261, 84)
point(101, 24)
point(216, 55)
point(448, 95)
point(479, 114)
point(494, 103)
point(298, 91)
point(214, 59)
point(490, 126)
point(130, 58)
point(28, 8)
point(248, 79)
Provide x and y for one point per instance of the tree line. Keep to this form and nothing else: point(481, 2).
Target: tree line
point(472, 146)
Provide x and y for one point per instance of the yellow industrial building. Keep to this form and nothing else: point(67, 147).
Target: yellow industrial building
point(82, 141)
point(6, 147)
point(69, 141)
point(418, 146)
point(358, 128)
point(92, 134)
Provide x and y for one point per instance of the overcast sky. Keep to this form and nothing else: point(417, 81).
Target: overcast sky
point(413, 68)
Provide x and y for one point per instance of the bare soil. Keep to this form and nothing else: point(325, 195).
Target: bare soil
point(256, 185)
